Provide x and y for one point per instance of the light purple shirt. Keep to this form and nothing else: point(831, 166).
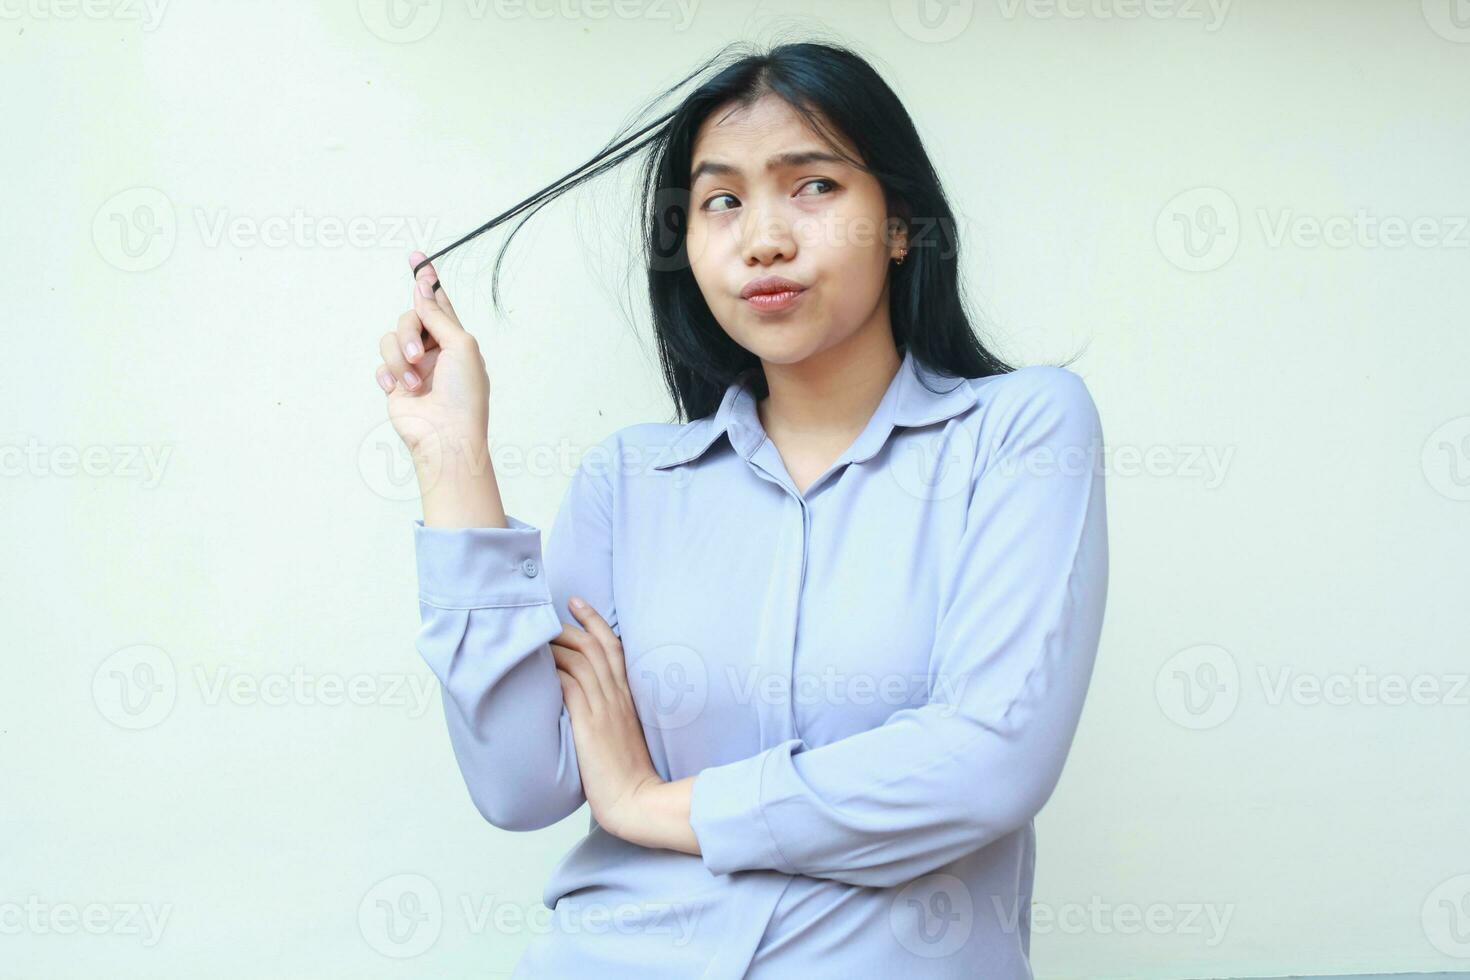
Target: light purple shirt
point(876, 680)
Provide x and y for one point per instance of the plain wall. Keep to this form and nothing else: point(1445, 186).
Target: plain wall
point(1287, 421)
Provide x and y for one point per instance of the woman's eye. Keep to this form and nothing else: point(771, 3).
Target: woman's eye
point(819, 180)
point(831, 184)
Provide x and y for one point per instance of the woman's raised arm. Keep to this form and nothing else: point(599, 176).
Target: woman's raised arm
point(488, 607)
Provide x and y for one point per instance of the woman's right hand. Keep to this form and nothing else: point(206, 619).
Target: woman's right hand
point(434, 376)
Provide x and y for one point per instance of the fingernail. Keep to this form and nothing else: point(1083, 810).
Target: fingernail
point(425, 290)
point(385, 381)
point(412, 349)
point(410, 379)
point(578, 603)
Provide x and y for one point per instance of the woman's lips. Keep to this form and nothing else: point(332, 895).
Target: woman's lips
point(775, 302)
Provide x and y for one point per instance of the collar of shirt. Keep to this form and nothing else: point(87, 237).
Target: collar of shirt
point(906, 402)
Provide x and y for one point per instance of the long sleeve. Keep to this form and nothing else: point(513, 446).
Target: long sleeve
point(1012, 659)
point(489, 608)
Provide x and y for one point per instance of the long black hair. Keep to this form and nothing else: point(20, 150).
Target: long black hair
point(828, 85)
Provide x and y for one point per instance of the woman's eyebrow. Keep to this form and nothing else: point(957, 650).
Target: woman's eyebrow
point(795, 158)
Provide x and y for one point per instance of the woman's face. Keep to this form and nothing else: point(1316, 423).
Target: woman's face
point(809, 218)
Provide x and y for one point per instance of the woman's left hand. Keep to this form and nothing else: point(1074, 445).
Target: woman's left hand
point(612, 753)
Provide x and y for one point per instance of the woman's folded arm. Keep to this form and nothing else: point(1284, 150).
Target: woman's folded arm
point(488, 609)
point(1012, 659)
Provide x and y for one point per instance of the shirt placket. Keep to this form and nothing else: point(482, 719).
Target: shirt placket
point(781, 606)
point(776, 651)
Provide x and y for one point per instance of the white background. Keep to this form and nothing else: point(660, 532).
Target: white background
point(1287, 421)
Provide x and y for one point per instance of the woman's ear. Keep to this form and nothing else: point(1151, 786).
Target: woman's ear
point(900, 216)
point(897, 238)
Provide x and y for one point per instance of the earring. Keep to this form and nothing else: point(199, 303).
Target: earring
point(902, 255)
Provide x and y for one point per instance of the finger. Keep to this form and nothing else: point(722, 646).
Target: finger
point(411, 337)
point(576, 663)
point(442, 324)
point(590, 618)
point(571, 694)
point(578, 653)
point(426, 339)
point(591, 648)
point(424, 370)
point(393, 360)
point(441, 295)
point(443, 327)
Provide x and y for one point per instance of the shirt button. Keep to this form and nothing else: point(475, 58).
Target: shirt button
point(529, 567)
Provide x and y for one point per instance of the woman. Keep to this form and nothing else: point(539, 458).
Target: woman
point(838, 627)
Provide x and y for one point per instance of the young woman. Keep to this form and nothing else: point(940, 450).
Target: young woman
point(815, 656)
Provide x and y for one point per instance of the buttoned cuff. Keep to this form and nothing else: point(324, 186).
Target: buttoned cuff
point(479, 567)
point(728, 818)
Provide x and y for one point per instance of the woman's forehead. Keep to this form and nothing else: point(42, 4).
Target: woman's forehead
point(750, 136)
